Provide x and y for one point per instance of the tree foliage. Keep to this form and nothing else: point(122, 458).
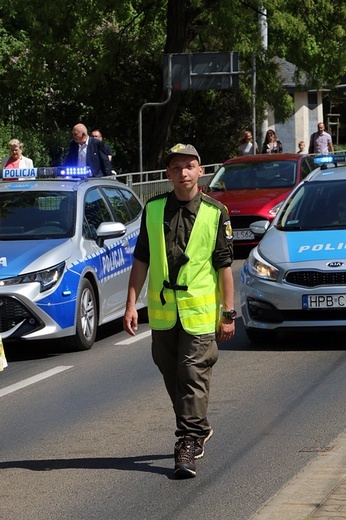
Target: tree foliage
point(99, 62)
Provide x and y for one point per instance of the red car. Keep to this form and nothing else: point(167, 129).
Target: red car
point(253, 187)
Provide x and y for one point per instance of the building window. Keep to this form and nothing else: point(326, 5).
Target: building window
point(312, 100)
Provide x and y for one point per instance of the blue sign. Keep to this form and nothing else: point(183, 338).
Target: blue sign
point(316, 245)
point(19, 173)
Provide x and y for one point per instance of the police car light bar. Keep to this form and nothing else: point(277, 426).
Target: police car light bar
point(327, 159)
point(72, 172)
point(55, 172)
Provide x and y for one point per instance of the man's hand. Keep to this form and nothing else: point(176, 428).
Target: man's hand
point(130, 321)
point(225, 329)
point(137, 279)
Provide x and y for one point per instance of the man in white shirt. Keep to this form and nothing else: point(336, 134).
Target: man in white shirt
point(87, 151)
point(321, 141)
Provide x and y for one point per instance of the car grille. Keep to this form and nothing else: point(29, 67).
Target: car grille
point(12, 312)
point(244, 221)
point(315, 278)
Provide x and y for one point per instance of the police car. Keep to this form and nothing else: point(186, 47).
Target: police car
point(296, 277)
point(66, 250)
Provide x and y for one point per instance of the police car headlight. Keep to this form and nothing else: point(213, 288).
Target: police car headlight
point(275, 209)
point(260, 268)
point(46, 278)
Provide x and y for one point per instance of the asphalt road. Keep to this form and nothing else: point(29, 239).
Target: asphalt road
point(90, 435)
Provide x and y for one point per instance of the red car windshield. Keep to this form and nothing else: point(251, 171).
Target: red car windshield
point(259, 175)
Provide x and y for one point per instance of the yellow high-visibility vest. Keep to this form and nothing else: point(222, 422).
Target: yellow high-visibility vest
point(195, 296)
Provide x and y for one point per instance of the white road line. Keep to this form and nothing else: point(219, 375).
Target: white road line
point(133, 339)
point(32, 380)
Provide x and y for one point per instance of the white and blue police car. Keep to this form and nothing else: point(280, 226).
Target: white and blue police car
point(66, 251)
point(296, 277)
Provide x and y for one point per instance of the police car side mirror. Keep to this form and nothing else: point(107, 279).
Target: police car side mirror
point(109, 230)
point(259, 227)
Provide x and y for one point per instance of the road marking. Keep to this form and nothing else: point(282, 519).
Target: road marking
point(31, 380)
point(133, 339)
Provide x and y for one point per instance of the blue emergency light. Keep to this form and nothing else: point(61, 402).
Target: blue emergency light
point(74, 172)
point(54, 172)
point(328, 159)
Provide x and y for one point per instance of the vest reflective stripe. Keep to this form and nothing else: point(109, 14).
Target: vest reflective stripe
point(191, 302)
point(199, 306)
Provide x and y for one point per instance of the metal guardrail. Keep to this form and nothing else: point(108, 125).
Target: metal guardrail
point(150, 183)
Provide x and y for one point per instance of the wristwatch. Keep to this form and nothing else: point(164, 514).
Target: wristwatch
point(230, 315)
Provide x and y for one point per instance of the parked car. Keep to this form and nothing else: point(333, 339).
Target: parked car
point(296, 277)
point(67, 244)
point(253, 187)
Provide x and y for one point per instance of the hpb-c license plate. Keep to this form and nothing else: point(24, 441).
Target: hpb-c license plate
point(324, 301)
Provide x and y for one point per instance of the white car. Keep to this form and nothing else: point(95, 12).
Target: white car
point(296, 277)
point(66, 251)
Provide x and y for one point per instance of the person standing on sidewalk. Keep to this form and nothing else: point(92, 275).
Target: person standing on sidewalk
point(321, 141)
point(186, 243)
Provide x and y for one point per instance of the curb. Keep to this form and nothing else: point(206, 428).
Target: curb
point(307, 492)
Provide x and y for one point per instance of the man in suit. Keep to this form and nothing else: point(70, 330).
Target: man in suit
point(96, 132)
point(87, 151)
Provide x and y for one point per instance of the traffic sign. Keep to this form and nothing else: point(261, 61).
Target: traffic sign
point(201, 71)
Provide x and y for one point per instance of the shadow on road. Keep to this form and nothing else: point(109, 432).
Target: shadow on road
point(146, 463)
point(288, 341)
point(40, 349)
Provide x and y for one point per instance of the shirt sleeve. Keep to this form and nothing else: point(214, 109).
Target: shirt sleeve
point(223, 253)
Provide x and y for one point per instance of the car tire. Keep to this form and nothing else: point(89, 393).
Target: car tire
point(86, 319)
point(258, 336)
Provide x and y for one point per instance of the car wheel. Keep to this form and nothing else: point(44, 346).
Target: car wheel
point(260, 335)
point(86, 321)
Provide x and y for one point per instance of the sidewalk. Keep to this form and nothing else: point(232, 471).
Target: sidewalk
point(317, 492)
point(334, 505)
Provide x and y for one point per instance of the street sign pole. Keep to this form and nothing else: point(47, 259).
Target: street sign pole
point(169, 88)
point(254, 71)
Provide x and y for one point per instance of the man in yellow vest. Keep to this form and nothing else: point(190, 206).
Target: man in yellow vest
point(186, 243)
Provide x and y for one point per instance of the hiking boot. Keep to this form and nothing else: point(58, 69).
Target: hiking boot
point(184, 458)
point(199, 444)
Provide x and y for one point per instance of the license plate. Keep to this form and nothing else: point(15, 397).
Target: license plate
point(243, 234)
point(324, 301)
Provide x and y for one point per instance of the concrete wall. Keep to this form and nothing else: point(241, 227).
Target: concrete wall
point(300, 126)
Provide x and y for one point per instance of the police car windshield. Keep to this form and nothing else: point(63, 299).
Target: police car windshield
point(316, 205)
point(255, 175)
point(36, 215)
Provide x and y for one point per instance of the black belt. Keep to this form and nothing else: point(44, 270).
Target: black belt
point(174, 286)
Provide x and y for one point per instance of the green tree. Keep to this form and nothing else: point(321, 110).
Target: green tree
point(99, 62)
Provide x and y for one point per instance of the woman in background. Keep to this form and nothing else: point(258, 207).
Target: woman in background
point(246, 144)
point(271, 143)
point(16, 159)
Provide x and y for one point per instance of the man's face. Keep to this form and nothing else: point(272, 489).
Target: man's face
point(79, 136)
point(320, 128)
point(184, 171)
point(97, 135)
